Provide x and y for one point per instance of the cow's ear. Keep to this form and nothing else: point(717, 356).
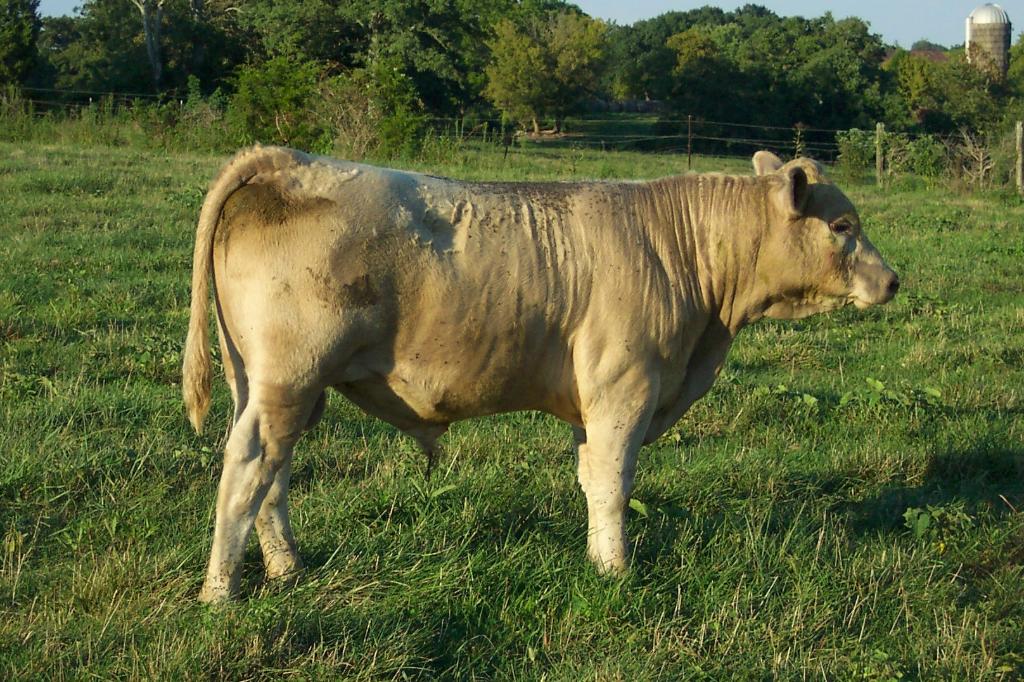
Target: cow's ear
point(815, 171)
point(795, 192)
point(765, 162)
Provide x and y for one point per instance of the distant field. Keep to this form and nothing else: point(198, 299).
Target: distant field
point(846, 503)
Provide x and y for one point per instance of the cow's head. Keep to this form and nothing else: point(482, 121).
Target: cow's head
point(814, 255)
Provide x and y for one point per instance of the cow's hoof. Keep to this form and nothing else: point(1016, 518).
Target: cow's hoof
point(287, 578)
point(611, 570)
point(613, 567)
point(214, 597)
point(284, 567)
point(216, 593)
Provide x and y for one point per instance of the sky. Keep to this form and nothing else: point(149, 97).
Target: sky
point(899, 21)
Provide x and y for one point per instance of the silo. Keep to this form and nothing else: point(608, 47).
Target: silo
point(988, 37)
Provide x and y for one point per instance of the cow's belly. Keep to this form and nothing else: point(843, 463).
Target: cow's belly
point(417, 388)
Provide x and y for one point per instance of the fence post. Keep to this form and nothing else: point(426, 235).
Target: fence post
point(879, 152)
point(689, 142)
point(1020, 157)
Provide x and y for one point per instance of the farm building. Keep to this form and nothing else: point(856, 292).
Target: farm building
point(988, 37)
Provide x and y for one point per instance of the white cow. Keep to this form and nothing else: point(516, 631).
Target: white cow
point(424, 300)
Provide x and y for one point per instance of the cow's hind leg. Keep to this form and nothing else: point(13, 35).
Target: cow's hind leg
point(234, 371)
point(280, 555)
point(257, 462)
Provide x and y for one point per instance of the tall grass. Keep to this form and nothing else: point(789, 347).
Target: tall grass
point(845, 503)
point(177, 125)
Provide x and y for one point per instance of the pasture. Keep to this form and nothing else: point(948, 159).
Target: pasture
point(846, 503)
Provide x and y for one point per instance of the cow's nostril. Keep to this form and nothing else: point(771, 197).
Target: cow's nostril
point(894, 285)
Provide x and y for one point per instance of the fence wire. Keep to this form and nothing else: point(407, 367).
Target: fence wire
point(676, 134)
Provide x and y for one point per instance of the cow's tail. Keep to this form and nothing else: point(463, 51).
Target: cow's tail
point(240, 171)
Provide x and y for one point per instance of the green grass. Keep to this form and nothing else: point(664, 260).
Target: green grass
point(771, 526)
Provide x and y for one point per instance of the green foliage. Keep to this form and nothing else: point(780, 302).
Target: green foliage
point(103, 50)
point(705, 81)
point(927, 46)
point(1015, 72)
point(515, 77)
point(945, 95)
point(534, 61)
point(378, 105)
point(939, 525)
point(856, 148)
point(197, 124)
point(545, 66)
point(304, 30)
point(275, 103)
point(19, 29)
point(924, 155)
point(641, 63)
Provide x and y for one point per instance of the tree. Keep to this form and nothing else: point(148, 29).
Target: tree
point(19, 29)
point(307, 30)
point(1015, 74)
point(272, 104)
point(515, 81)
point(927, 46)
point(545, 66)
point(944, 96)
point(152, 12)
point(640, 63)
point(105, 47)
point(705, 79)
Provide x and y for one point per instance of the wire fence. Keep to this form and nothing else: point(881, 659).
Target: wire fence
point(665, 134)
point(920, 153)
point(691, 135)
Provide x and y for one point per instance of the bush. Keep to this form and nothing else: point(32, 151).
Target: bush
point(374, 113)
point(856, 149)
point(15, 115)
point(925, 156)
point(275, 103)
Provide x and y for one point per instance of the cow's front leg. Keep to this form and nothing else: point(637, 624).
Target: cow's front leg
point(607, 451)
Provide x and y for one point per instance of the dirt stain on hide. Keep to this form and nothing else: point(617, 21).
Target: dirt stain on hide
point(268, 205)
point(355, 292)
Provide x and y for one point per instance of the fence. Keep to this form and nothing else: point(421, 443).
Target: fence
point(979, 160)
point(690, 135)
point(964, 154)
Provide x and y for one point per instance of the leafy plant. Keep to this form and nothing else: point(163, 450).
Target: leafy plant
point(938, 524)
point(856, 148)
point(274, 104)
point(798, 398)
point(881, 393)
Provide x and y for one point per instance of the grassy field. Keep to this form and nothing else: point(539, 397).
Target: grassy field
point(846, 503)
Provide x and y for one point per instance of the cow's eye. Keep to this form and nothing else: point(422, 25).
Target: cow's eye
point(841, 227)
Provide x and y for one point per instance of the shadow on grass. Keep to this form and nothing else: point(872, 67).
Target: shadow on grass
point(985, 478)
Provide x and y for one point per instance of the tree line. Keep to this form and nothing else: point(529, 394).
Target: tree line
point(302, 71)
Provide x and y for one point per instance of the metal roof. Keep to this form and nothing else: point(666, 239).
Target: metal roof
point(989, 13)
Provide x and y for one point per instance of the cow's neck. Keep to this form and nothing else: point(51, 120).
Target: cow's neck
point(718, 221)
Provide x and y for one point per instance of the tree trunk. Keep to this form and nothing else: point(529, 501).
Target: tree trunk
point(198, 11)
point(152, 12)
